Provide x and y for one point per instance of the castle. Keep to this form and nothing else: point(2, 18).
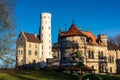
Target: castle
point(97, 52)
point(33, 48)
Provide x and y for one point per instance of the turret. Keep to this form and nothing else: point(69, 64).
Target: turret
point(45, 35)
point(103, 38)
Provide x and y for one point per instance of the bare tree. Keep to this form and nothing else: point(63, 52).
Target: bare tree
point(115, 40)
point(7, 27)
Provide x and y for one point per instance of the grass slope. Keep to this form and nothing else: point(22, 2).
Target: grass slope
point(36, 75)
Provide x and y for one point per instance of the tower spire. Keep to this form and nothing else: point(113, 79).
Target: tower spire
point(73, 21)
point(65, 27)
point(88, 29)
point(60, 29)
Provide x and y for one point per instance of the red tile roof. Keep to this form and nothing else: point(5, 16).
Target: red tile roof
point(73, 31)
point(92, 36)
point(31, 37)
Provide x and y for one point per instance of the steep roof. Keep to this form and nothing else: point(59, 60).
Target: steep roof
point(92, 36)
point(111, 46)
point(31, 37)
point(73, 31)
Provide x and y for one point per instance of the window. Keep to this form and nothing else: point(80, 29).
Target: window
point(49, 27)
point(42, 27)
point(91, 54)
point(35, 45)
point(18, 52)
point(21, 52)
point(89, 40)
point(34, 61)
point(111, 59)
point(42, 47)
point(88, 54)
point(92, 67)
point(29, 44)
point(110, 69)
point(22, 61)
point(29, 52)
point(49, 35)
point(44, 16)
point(100, 54)
point(45, 21)
point(35, 53)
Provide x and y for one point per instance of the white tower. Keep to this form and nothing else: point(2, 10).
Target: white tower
point(45, 36)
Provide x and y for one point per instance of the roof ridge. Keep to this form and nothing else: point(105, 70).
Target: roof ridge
point(73, 28)
point(31, 37)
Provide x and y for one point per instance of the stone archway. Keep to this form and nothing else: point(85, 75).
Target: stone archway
point(102, 68)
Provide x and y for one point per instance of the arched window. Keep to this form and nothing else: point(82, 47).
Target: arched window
point(92, 54)
point(100, 54)
point(110, 69)
point(112, 59)
point(89, 56)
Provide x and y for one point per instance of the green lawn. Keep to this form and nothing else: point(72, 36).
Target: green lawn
point(36, 75)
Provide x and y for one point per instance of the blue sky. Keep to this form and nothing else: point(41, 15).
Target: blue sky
point(101, 16)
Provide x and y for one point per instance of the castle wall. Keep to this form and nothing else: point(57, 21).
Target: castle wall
point(32, 52)
point(96, 62)
point(20, 50)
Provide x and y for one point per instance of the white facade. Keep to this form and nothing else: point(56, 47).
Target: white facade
point(30, 48)
point(45, 36)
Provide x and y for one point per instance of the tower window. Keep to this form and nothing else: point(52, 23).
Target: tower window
point(45, 21)
point(49, 35)
point(49, 27)
point(42, 27)
point(44, 16)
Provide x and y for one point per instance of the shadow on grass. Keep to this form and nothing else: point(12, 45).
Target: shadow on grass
point(42, 75)
point(20, 77)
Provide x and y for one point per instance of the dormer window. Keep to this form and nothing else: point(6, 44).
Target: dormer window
point(99, 41)
point(89, 40)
